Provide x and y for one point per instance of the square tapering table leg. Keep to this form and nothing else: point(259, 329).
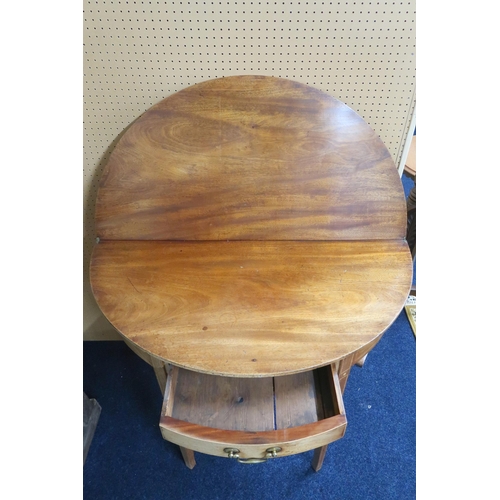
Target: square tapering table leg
point(319, 457)
point(188, 456)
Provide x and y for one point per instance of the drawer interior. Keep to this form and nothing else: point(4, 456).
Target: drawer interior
point(252, 404)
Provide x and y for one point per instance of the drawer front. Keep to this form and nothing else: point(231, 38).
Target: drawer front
point(253, 445)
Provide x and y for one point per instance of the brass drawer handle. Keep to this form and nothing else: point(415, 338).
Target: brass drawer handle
point(235, 453)
point(252, 460)
point(272, 452)
point(232, 452)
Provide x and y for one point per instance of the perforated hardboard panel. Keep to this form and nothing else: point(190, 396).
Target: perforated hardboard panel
point(139, 52)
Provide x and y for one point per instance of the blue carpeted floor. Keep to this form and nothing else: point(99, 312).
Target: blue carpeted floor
point(128, 459)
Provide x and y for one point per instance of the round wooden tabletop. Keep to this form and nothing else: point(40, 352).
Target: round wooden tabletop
point(250, 226)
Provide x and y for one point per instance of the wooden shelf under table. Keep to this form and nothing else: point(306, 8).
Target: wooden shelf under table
point(211, 414)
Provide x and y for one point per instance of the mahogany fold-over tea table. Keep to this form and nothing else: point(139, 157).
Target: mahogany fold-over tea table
point(251, 248)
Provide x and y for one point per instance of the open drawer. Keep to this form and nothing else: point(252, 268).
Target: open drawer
point(252, 419)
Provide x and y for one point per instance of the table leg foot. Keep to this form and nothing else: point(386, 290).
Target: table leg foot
point(319, 457)
point(188, 456)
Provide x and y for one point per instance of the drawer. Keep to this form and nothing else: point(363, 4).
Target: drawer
point(252, 419)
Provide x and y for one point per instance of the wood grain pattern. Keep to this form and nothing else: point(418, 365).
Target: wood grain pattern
point(224, 402)
point(253, 444)
point(250, 404)
point(297, 402)
point(250, 157)
point(251, 227)
point(187, 425)
point(251, 309)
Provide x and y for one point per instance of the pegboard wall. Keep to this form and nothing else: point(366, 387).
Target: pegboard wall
point(136, 53)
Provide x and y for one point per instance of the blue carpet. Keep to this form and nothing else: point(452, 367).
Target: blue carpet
point(128, 459)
